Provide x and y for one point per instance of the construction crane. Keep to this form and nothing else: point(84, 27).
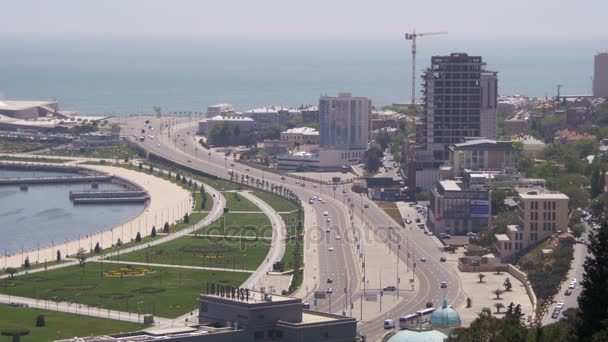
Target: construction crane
point(411, 153)
point(412, 37)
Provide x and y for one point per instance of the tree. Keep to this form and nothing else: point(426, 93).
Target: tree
point(81, 255)
point(481, 276)
point(507, 284)
point(40, 322)
point(372, 158)
point(138, 237)
point(593, 300)
point(578, 230)
point(166, 227)
point(153, 233)
point(498, 198)
point(26, 263)
point(498, 292)
point(11, 271)
point(498, 306)
point(15, 333)
point(487, 328)
point(186, 218)
point(97, 248)
point(58, 255)
point(383, 139)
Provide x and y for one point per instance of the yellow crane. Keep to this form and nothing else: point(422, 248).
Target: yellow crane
point(412, 37)
point(411, 153)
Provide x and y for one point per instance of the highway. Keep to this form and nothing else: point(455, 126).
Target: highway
point(341, 264)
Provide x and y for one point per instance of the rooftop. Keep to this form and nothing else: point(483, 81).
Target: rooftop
point(539, 193)
point(302, 130)
point(20, 105)
point(450, 185)
point(228, 118)
point(502, 237)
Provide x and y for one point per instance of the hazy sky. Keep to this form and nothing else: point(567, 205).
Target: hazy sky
point(316, 19)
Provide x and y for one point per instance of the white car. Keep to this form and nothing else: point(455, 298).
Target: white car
point(337, 237)
point(158, 145)
point(389, 324)
point(328, 229)
point(327, 219)
point(572, 285)
point(325, 213)
point(560, 304)
point(573, 280)
point(331, 249)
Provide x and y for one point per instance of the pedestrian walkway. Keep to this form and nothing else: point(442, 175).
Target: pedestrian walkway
point(81, 309)
point(176, 266)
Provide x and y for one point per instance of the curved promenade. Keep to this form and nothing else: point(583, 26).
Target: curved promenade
point(168, 203)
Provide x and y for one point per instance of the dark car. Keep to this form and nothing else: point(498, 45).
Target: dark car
point(429, 304)
point(417, 220)
point(442, 259)
point(555, 314)
point(329, 280)
point(390, 288)
point(568, 292)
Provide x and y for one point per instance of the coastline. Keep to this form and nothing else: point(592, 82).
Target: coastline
point(168, 203)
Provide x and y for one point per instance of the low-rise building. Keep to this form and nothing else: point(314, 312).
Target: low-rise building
point(96, 140)
point(481, 154)
point(310, 114)
point(220, 109)
point(532, 146)
point(318, 160)
point(566, 136)
point(541, 213)
point(301, 136)
point(245, 124)
point(229, 314)
point(276, 146)
point(455, 208)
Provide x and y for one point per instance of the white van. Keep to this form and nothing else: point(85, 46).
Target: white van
point(389, 324)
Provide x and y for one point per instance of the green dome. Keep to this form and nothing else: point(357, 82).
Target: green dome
point(445, 316)
point(418, 336)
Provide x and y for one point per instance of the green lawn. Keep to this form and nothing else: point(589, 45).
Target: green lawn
point(277, 202)
point(199, 201)
point(236, 202)
point(123, 150)
point(291, 222)
point(34, 159)
point(23, 146)
point(202, 251)
point(194, 218)
point(235, 224)
point(166, 292)
point(59, 325)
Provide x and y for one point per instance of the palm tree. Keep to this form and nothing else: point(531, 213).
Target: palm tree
point(498, 306)
point(15, 333)
point(481, 276)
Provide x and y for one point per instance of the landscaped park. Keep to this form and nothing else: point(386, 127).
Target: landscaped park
point(57, 325)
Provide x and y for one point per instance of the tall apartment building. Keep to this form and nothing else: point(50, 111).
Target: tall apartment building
point(344, 122)
point(460, 101)
point(600, 75)
point(541, 213)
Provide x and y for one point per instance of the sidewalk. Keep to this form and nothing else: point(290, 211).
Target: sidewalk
point(175, 266)
point(81, 309)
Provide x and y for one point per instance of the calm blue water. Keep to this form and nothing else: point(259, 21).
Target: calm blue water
point(124, 76)
point(45, 213)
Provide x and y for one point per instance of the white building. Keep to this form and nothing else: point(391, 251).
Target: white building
point(220, 109)
point(345, 122)
point(245, 124)
point(301, 136)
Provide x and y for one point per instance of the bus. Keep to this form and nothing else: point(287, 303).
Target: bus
point(424, 312)
point(404, 321)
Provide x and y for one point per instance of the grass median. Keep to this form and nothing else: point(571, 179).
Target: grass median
point(230, 253)
point(162, 291)
point(59, 325)
point(235, 224)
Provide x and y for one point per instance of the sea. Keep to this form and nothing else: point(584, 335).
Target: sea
point(120, 76)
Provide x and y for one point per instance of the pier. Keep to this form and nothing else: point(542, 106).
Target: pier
point(55, 180)
point(112, 196)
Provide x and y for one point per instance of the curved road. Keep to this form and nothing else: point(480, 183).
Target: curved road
point(340, 264)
